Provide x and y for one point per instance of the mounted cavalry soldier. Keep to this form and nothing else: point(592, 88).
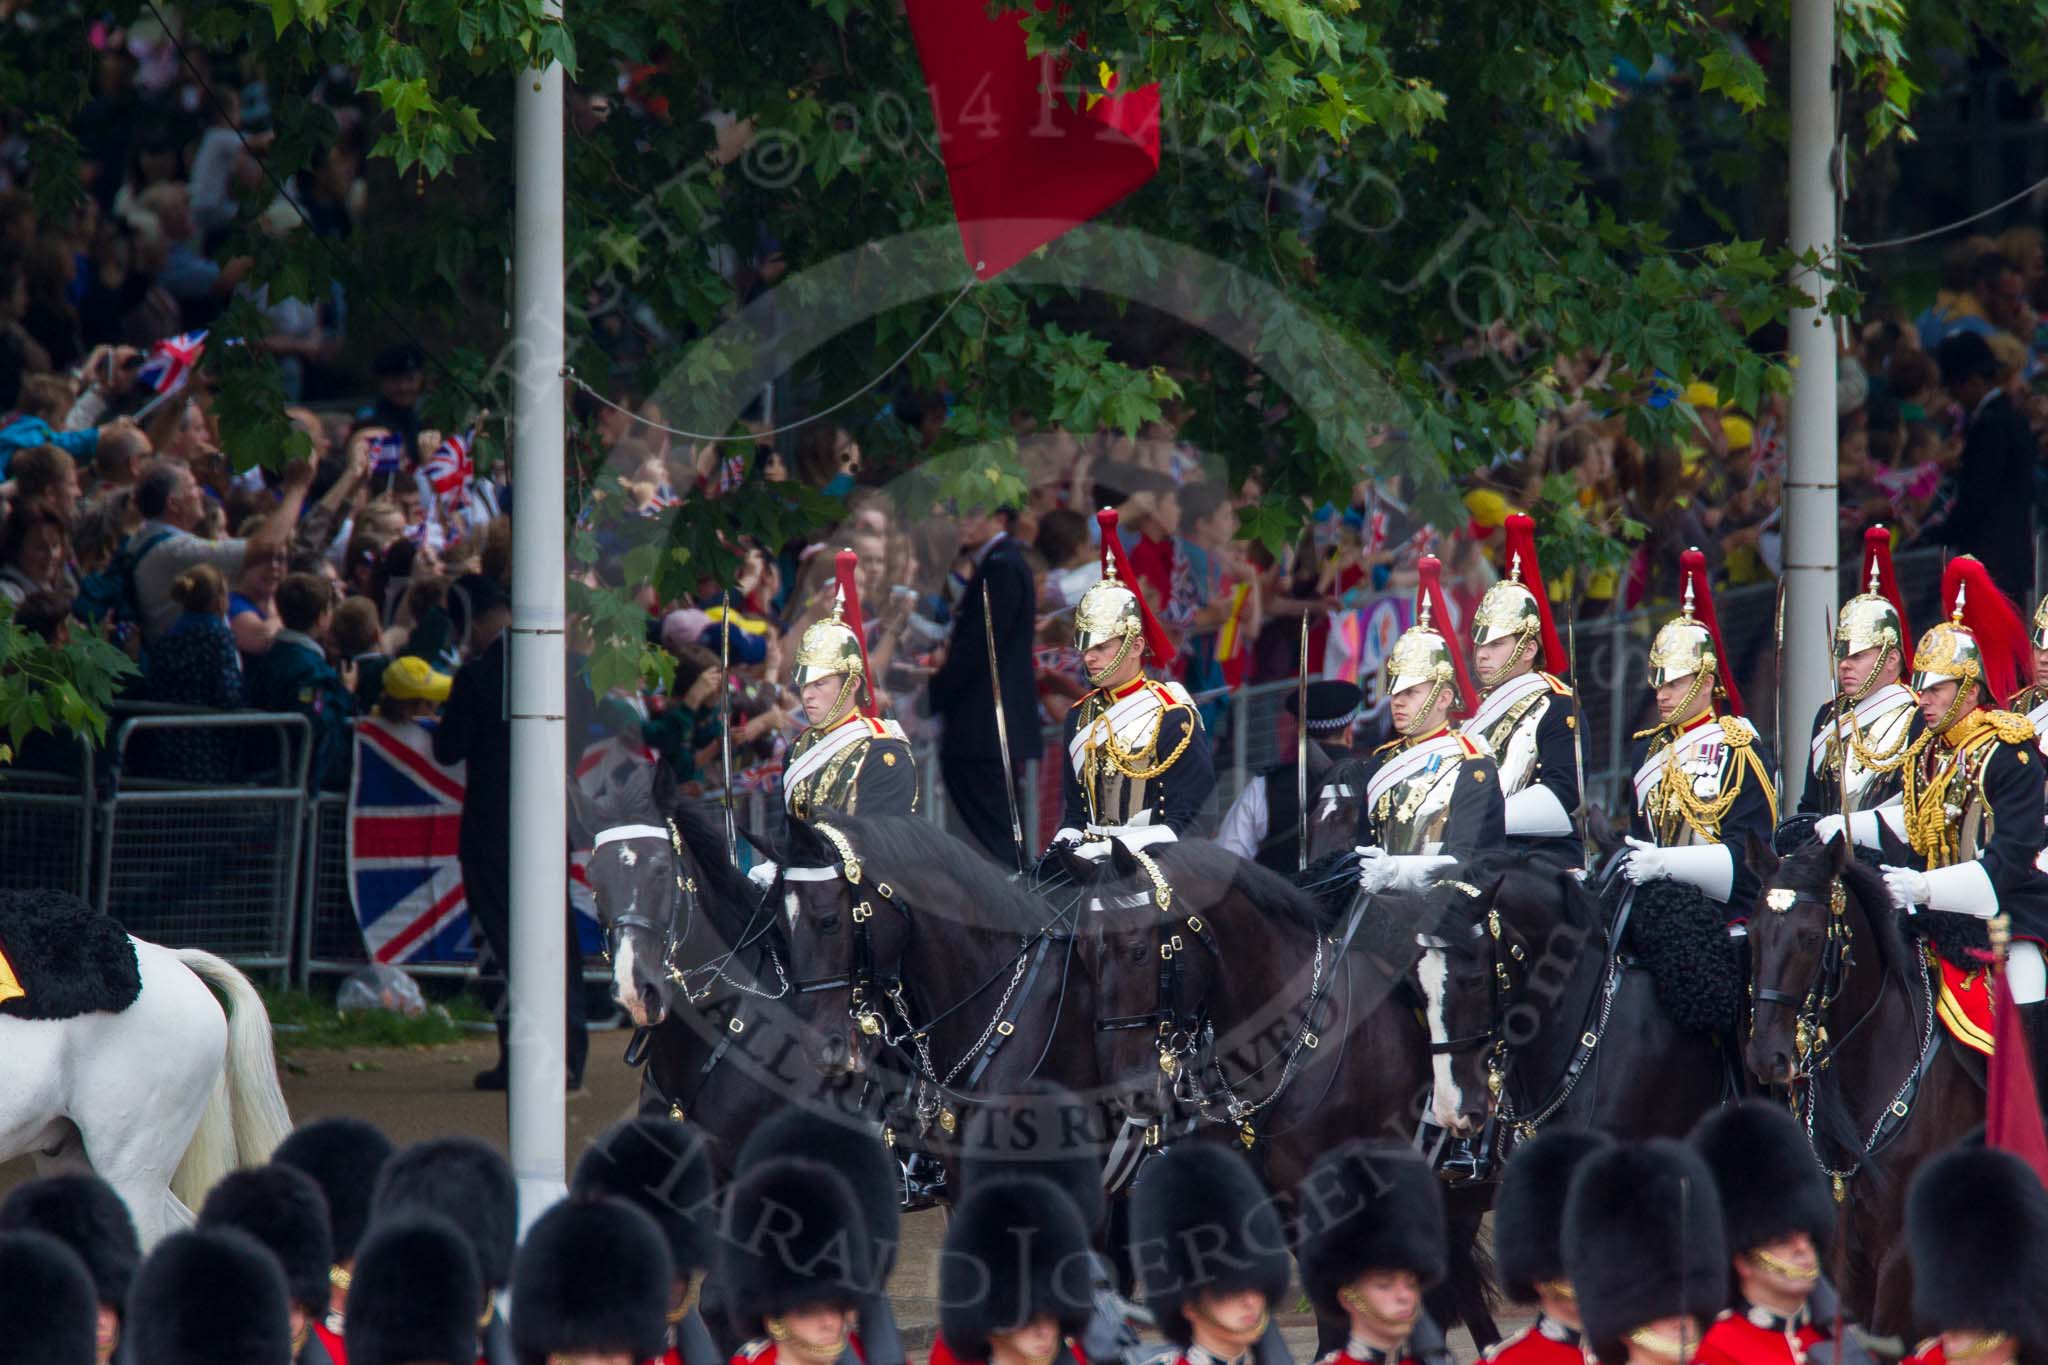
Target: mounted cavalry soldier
point(1264, 823)
point(1137, 760)
point(1527, 715)
point(1433, 795)
point(1872, 725)
point(2033, 701)
point(1971, 808)
point(849, 760)
point(1703, 782)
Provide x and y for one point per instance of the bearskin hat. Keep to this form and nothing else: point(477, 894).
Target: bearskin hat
point(855, 1150)
point(282, 1208)
point(1369, 1206)
point(47, 1301)
point(343, 1155)
point(466, 1182)
point(1528, 1214)
point(1977, 1227)
point(593, 1275)
point(1202, 1223)
point(794, 1236)
point(1040, 1129)
point(1643, 1240)
point(1016, 1251)
point(415, 1293)
point(211, 1296)
point(84, 1213)
point(1770, 1182)
point(663, 1168)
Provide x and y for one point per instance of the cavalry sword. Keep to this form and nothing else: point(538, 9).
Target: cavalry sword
point(995, 684)
point(1571, 650)
point(725, 724)
point(1301, 749)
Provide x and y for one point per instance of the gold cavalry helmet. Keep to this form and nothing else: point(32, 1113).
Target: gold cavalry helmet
point(1108, 611)
point(1421, 655)
point(1689, 645)
point(2037, 635)
point(1949, 651)
point(1871, 619)
point(833, 647)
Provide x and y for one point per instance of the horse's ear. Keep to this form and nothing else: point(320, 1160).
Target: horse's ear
point(584, 811)
point(664, 789)
point(1120, 858)
point(1838, 851)
point(1760, 858)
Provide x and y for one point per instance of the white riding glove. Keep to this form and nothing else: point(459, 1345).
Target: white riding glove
point(1960, 889)
point(1376, 871)
point(1710, 867)
point(1908, 888)
point(762, 874)
point(1863, 827)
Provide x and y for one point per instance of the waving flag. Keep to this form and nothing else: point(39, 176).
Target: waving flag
point(170, 361)
point(451, 468)
point(404, 836)
point(386, 453)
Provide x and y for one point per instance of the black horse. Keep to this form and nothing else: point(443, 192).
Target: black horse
point(693, 960)
point(1232, 997)
point(1844, 1016)
point(913, 955)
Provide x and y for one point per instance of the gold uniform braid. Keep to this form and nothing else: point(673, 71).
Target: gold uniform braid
point(1703, 816)
point(1111, 751)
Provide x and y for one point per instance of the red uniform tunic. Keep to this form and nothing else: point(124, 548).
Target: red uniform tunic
point(1930, 1353)
point(765, 1351)
point(1753, 1336)
point(1545, 1341)
point(331, 1339)
point(1354, 1353)
point(942, 1354)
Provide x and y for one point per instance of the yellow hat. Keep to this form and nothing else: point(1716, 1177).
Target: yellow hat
point(1700, 394)
point(1488, 509)
point(413, 679)
point(1740, 434)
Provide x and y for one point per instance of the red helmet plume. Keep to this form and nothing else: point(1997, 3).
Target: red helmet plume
point(1993, 620)
point(1692, 574)
point(1879, 577)
point(1116, 562)
point(1429, 593)
point(1518, 550)
point(846, 568)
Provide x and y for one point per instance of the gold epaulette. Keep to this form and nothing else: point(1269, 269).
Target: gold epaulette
point(1739, 733)
point(2012, 727)
point(1471, 748)
point(1390, 745)
point(1558, 685)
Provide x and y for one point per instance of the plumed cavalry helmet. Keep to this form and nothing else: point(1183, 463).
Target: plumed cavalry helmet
point(1873, 618)
point(1423, 655)
point(1983, 641)
point(1112, 611)
point(1518, 607)
point(837, 646)
point(1689, 645)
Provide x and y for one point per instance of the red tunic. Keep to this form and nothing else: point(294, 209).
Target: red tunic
point(1343, 1356)
point(1735, 1340)
point(1533, 1346)
point(1930, 1353)
point(331, 1339)
point(765, 1351)
point(942, 1354)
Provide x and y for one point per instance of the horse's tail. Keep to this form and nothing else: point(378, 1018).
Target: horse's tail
point(245, 1118)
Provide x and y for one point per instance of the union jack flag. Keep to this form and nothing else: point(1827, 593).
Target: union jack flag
point(404, 837)
point(170, 361)
point(451, 468)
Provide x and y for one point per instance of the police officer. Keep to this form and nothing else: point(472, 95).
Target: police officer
point(1779, 1213)
point(1210, 1251)
point(1264, 822)
point(1977, 1228)
point(1432, 796)
point(1528, 1220)
point(848, 760)
point(1374, 1240)
point(1138, 765)
point(1878, 716)
point(1527, 715)
point(1703, 783)
point(1645, 1252)
point(592, 1285)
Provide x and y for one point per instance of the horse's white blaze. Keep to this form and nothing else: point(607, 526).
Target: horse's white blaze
point(790, 906)
point(627, 857)
point(623, 989)
point(1434, 969)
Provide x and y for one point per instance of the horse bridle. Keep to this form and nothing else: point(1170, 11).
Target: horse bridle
point(1178, 1029)
point(672, 937)
point(1809, 1034)
point(864, 983)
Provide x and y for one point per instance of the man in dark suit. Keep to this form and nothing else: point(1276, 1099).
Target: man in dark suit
point(970, 754)
point(475, 727)
point(1992, 517)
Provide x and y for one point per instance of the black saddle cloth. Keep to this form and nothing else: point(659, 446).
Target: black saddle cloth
point(70, 959)
point(1681, 938)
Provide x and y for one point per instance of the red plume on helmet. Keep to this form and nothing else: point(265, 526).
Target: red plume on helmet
point(846, 565)
point(1692, 572)
point(1877, 557)
point(1518, 549)
point(1430, 592)
point(1114, 560)
point(1990, 616)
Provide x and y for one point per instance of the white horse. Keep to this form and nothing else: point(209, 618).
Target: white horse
point(160, 1100)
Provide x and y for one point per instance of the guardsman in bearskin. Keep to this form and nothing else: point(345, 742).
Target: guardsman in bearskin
point(591, 1285)
point(210, 1296)
point(1015, 1277)
point(1972, 802)
point(1879, 717)
point(796, 1263)
point(1977, 1228)
point(855, 1149)
point(1373, 1239)
point(1528, 1227)
point(1210, 1252)
point(2032, 702)
point(1645, 1252)
point(849, 760)
point(1263, 824)
point(84, 1213)
point(413, 1295)
point(1433, 795)
point(282, 1208)
point(1137, 760)
point(46, 1300)
point(471, 1185)
point(343, 1155)
point(1527, 715)
point(1703, 784)
point(663, 1168)
point(1778, 1210)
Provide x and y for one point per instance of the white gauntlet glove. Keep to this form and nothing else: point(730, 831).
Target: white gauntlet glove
point(1710, 867)
point(1376, 871)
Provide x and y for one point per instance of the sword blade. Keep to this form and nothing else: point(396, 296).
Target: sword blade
point(1571, 650)
point(995, 684)
point(725, 724)
point(1301, 750)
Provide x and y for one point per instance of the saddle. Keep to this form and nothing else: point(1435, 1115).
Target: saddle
point(1681, 938)
point(63, 957)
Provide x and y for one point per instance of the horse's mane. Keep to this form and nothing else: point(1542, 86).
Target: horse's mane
point(1517, 884)
point(1810, 869)
point(926, 868)
point(731, 894)
point(1201, 874)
